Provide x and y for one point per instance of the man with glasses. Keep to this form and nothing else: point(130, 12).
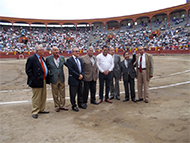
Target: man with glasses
point(37, 71)
point(76, 74)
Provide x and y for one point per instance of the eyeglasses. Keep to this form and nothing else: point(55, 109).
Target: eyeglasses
point(75, 51)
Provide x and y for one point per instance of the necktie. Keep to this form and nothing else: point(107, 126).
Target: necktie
point(140, 68)
point(42, 64)
point(78, 65)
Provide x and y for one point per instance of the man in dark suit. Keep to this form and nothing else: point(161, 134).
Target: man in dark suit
point(76, 74)
point(55, 64)
point(37, 71)
point(90, 76)
point(128, 72)
point(114, 88)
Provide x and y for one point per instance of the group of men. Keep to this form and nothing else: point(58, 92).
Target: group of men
point(83, 74)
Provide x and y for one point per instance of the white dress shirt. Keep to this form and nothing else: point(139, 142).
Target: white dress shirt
point(56, 61)
point(77, 62)
point(105, 63)
point(92, 60)
point(143, 61)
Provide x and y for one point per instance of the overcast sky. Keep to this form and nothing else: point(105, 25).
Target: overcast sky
point(80, 9)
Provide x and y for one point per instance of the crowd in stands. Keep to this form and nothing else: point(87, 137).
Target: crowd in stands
point(21, 39)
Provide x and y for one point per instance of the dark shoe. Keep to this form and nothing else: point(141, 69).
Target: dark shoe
point(35, 116)
point(82, 106)
point(109, 101)
point(75, 109)
point(139, 100)
point(64, 108)
point(44, 112)
point(94, 103)
point(100, 101)
point(85, 105)
point(57, 109)
point(111, 97)
point(126, 99)
point(146, 101)
point(117, 97)
point(134, 100)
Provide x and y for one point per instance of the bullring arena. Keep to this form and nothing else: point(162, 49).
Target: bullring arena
point(165, 119)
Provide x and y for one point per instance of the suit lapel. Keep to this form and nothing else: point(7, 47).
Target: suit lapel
point(146, 58)
point(75, 63)
point(52, 59)
point(38, 62)
point(88, 58)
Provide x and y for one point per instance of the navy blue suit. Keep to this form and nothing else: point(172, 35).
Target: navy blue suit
point(35, 72)
point(129, 74)
point(75, 85)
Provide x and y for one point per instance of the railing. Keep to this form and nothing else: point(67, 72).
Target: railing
point(153, 50)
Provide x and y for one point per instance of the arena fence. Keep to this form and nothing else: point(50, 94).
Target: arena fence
point(154, 51)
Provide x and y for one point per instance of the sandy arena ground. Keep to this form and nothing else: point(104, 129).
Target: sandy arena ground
point(165, 119)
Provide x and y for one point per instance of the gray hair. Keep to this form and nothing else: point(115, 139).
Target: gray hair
point(91, 48)
point(37, 47)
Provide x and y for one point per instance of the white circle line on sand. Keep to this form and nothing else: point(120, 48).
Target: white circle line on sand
point(156, 77)
point(50, 99)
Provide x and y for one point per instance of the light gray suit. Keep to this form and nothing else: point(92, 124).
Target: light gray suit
point(114, 89)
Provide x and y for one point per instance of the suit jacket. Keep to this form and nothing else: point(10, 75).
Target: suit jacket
point(149, 65)
point(90, 71)
point(130, 70)
point(34, 72)
point(54, 70)
point(74, 73)
point(116, 69)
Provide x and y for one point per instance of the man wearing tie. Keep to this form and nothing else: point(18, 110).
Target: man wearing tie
point(144, 64)
point(128, 72)
point(37, 71)
point(114, 88)
point(55, 64)
point(90, 76)
point(76, 74)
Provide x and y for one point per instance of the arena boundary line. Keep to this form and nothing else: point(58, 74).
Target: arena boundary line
point(156, 77)
point(50, 99)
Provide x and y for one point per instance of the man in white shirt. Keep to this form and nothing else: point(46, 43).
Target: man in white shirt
point(105, 64)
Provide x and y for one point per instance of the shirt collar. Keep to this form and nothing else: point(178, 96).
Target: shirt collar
point(37, 55)
point(90, 57)
point(74, 57)
point(56, 57)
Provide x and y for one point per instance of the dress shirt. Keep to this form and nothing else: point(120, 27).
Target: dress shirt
point(126, 63)
point(56, 61)
point(43, 63)
point(143, 61)
point(77, 62)
point(92, 60)
point(105, 63)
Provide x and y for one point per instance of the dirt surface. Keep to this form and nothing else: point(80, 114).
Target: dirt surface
point(166, 118)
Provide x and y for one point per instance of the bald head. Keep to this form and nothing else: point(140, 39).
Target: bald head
point(55, 51)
